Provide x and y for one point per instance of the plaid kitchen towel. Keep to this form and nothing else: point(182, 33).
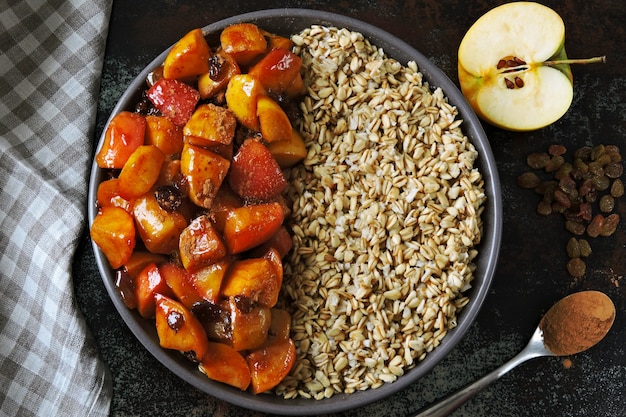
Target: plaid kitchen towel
point(51, 54)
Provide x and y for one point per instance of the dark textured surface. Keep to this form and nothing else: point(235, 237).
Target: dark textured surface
point(531, 273)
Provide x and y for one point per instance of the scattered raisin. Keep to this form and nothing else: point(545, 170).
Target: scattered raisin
point(607, 203)
point(207, 311)
point(573, 248)
point(243, 303)
point(215, 66)
point(595, 226)
point(610, 225)
point(562, 198)
point(544, 208)
point(554, 163)
point(169, 197)
point(574, 227)
point(576, 267)
point(614, 170)
point(557, 150)
point(126, 287)
point(617, 188)
point(538, 160)
point(585, 248)
point(528, 180)
point(175, 320)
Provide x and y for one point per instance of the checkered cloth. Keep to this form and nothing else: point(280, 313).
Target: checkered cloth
point(51, 54)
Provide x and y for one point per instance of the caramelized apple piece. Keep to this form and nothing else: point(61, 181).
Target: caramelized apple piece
point(280, 327)
point(123, 135)
point(211, 125)
point(207, 280)
point(108, 194)
point(255, 279)
point(277, 41)
point(242, 94)
point(215, 317)
point(223, 205)
point(250, 323)
point(139, 260)
point(148, 283)
point(281, 241)
point(200, 244)
point(248, 226)
point(179, 329)
point(288, 152)
point(271, 364)
point(225, 68)
point(273, 121)
point(164, 134)
point(205, 171)
point(225, 151)
point(159, 229)
point(243, 41)
point(170, 173)
point(224, 364)
point(180, 281)
point(297, 87)
point(113, 230)
point(140, 172)
point(255, 174)
point(277, 70)
point(188, 57)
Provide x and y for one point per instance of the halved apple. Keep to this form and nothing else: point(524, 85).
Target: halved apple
point(513, 68)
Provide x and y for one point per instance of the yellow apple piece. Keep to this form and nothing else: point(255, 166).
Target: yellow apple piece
point(280, 327)
point(224, 364)
point(108, 194)
point(205, 170)
point(159, 229)
point(290, 151)
point(513, 69)
point(164, 134)
point(210, 125)
point(179, 280)
point(139, 260)
point(273, 121)
point(277, 41)
point(242, 95)
point(243, 41)
point(255, 278)
point(207, 280)
point(189, 57)
point(148, 283)
point(179, 329)
point(200, 244)
point(140, 172)
point(113, 230)
point(271, 364)
point(250, 323)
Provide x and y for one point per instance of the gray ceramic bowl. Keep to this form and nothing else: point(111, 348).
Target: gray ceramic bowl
point(287, 22)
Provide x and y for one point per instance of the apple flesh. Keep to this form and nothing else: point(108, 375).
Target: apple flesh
point(513, 68)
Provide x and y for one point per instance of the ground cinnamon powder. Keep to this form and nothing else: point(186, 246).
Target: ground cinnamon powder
point(577, 322)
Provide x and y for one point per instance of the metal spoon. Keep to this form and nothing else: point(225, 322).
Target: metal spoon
point(535, 348)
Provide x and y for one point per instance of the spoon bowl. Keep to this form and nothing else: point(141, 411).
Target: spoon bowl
point(552, 337)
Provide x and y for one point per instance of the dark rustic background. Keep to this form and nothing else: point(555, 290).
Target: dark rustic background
point(531, 273)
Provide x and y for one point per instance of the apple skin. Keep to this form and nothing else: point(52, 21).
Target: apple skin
point(533, 33)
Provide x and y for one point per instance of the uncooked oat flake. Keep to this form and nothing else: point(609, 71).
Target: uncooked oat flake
point(386, 216)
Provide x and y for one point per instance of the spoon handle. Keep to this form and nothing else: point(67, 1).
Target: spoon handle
point(455, 400)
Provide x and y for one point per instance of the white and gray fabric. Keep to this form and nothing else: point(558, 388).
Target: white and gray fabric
point(51, 54)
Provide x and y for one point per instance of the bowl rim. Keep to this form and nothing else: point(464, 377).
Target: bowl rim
point(489, 247)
